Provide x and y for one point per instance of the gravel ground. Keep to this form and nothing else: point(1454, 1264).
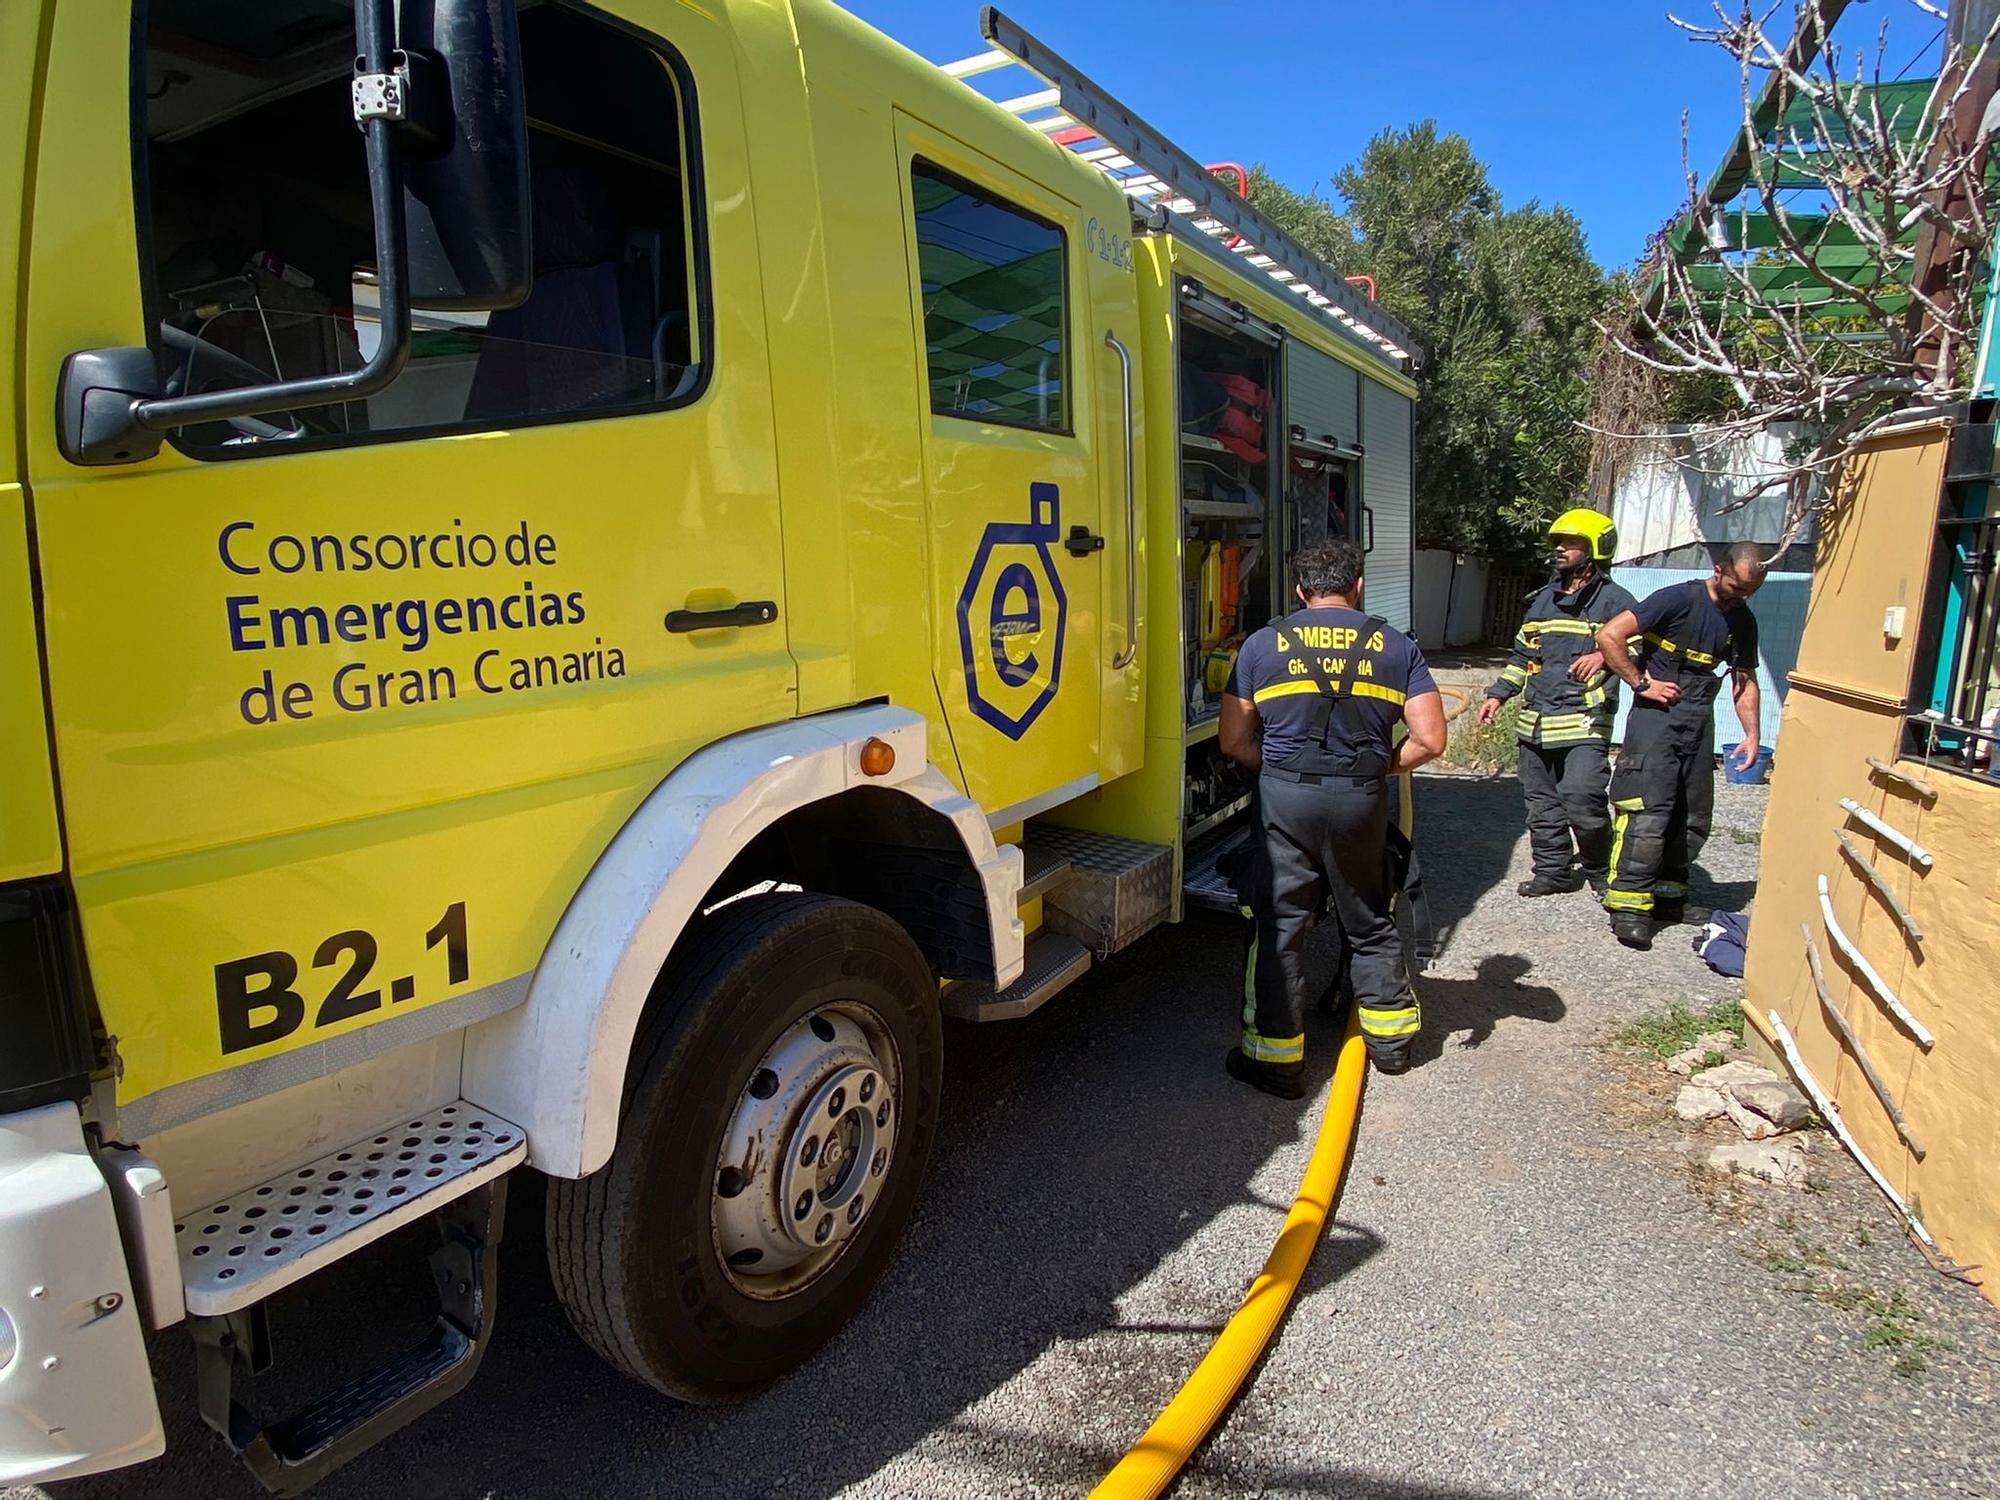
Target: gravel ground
point(1529, 1290)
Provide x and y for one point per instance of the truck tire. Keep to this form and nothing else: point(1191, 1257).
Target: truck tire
point(779, 1112)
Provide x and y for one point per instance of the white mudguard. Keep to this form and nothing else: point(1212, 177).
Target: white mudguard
point(556, 1065)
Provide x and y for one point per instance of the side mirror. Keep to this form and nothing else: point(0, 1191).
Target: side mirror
point(465, 186)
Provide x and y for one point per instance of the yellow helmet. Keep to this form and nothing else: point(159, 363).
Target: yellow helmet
point(1593, 526)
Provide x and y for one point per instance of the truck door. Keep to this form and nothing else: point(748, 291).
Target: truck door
point(347, 700)
point(1018, 550)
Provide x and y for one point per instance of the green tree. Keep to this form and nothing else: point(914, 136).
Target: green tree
point(1504, 303)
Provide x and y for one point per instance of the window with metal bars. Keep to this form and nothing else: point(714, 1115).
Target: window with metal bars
point(1960, 728)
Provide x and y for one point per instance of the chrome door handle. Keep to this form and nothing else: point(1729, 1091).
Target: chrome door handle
point(1124, 658)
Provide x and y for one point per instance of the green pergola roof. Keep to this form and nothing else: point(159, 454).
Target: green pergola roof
point(1730, 207)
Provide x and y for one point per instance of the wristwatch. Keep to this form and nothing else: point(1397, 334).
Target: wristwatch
point(1645, 681)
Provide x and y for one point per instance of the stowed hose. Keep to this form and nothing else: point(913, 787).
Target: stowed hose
point(1150, 1465)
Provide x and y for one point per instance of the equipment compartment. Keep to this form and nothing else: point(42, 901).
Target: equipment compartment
point(1230, 442)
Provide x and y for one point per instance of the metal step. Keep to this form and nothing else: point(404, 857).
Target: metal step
point(250, 1244)
point(1202, 884)
point(1041, 869)
point(1118, 889)
point(1053, 962)
point(294, 1452)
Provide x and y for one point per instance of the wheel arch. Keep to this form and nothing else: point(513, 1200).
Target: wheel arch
point(557, 1064)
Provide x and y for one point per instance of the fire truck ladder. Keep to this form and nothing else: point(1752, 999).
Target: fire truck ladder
point(1169, 189)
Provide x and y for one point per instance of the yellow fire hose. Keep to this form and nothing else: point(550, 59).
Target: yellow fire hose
point(1150, 1465)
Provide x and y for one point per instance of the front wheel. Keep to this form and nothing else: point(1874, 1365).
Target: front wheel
point(780, 1108)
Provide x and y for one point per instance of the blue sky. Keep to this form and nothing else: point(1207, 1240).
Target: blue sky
point(1576, 102)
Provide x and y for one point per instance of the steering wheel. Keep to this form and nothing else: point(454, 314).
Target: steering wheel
point(193, 344)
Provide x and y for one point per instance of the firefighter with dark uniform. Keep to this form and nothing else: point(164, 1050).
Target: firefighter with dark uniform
point(1311, 706)
point(1569, 699)
point(1663, 792)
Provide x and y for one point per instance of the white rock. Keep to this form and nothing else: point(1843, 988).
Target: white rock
point(1730, 1074)
point(1782, 1163)
point(1695, 1103)
point(1780, 1103)
point(1753, 1125)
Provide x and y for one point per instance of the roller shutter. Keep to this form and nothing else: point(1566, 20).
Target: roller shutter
point(1322, 395)
point(1387, 488)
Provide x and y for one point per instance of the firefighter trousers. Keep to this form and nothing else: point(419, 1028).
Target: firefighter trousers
point(1325, 837)
point(1564, 786)
point(1662, 801)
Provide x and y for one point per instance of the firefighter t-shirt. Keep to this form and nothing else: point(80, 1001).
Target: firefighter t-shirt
point(1274, 670)
point(1688, 636)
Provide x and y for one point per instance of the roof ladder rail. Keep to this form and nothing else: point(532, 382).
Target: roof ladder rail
point(1171, 188)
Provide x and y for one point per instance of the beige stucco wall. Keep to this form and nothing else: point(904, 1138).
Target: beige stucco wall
point(1846, 705)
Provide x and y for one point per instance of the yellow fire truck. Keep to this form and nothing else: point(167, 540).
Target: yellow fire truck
point(574, 580)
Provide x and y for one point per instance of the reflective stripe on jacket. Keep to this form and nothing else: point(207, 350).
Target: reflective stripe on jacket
point(1558, 629)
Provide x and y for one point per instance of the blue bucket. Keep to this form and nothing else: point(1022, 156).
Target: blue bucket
point(1758, 772)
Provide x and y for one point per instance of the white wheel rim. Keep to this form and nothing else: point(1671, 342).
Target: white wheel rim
point(807, 1152)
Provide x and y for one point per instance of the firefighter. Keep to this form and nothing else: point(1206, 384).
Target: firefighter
point(1312, 705)
point(1663, 792)
point(1568, 701)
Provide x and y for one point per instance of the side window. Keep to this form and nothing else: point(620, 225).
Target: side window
point(260, 245)
point(994, 305)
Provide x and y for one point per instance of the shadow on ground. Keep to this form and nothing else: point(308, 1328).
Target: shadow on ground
point(1467, 828)
point(1720, 895)
point(1464, 1012)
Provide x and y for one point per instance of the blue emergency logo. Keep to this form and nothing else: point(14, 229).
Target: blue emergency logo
point(1011, 615)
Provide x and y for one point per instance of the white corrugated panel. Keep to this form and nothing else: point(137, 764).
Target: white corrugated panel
point(1321, 395)
point(1687, 486)
point(1388, 490)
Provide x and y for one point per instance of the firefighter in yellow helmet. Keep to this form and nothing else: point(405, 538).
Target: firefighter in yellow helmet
point(1568, 702)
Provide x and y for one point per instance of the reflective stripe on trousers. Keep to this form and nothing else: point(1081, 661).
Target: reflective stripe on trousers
point(1621, 819)
point(1404, 1021)
point(1257, 1046)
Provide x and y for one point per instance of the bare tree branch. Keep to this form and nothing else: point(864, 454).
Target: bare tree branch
point(1805, 331)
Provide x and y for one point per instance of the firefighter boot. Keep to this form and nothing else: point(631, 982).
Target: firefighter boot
point(1632, 928)
point(1549, 885)
point(1284, 1082)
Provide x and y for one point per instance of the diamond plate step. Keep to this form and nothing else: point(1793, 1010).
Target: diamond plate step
point(1202, 884)
point(1118, 890)
point(1041, 870)
point(1053, 963)
point(247, 1246)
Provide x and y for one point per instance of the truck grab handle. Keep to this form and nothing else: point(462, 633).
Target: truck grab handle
point(1124, 658)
